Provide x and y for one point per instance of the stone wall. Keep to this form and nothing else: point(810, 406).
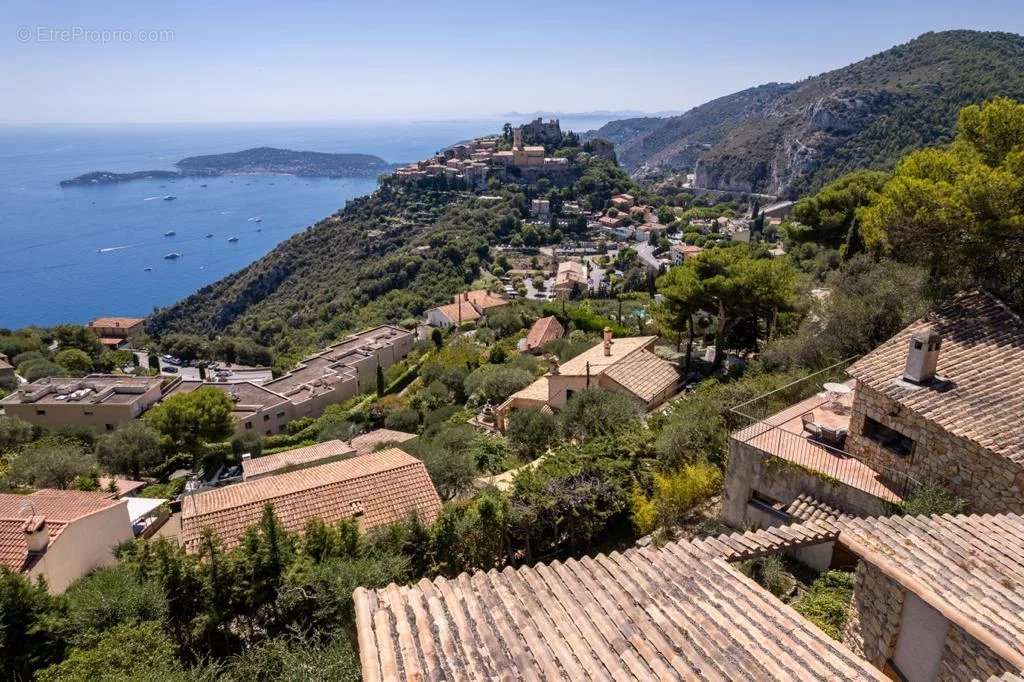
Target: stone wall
point(873, 628)
point(752, 469)
point(989, 482)
point(965, 658)
point(873, 623)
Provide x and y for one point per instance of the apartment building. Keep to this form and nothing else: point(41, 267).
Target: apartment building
point(115, 332)
point(102, 401)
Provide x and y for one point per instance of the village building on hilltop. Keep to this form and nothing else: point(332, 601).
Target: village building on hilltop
point(469, 307)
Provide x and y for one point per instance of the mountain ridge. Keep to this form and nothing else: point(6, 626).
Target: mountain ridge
point(791, 138)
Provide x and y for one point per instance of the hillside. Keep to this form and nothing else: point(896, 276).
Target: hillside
point(788, 139)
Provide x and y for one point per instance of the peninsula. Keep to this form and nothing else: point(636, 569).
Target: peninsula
point(256, 161)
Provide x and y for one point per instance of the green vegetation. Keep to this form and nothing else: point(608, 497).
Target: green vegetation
point(929, 499)
point(827, 602)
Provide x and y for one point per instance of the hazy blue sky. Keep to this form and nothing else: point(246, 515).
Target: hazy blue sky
point(229, 60)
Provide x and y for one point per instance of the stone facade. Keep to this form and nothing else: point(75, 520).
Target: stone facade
point(873, 623)
point(989, 482)
point(965, 658)
point(873, 628)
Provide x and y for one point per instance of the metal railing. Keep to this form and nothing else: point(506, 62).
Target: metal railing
point(772, 424)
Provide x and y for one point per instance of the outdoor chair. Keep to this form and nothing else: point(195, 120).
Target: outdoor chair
point(807, 419)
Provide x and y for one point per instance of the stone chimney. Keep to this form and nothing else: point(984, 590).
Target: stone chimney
point(607, 342)
point(922, 356)
point(553, 364)
point(37, 538)
point(246, 456)
point(465, 295)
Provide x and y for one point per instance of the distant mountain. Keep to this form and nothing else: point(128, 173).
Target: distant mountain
point(256, 161)
point(790, 138)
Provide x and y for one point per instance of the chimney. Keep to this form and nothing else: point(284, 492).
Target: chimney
point(922, 356)
point(553, 362)
point(36, 536)
point(246, 456)
point(607, 342)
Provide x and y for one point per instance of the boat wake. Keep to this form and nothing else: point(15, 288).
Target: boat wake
point(153, 198)
point(108, 249)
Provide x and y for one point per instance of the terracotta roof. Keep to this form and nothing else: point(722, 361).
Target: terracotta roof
point(538, 391)
point(59, 508)
point(808, 508)
point(544, 330)
point(451, 311)
point(982, 359)
point(296, 458)
point(125, 486)
point(669, 613)
point(687, 249)
point(367, 442)
point(969, 568)
point(125, 322)
point(570, 271)
point(644, 374)
point(621, 348)
point(384, 486)
point(484, 299)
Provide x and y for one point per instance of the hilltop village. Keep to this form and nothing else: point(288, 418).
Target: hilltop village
point(517, 415)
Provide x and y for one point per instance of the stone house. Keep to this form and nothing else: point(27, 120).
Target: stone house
point(940, 403)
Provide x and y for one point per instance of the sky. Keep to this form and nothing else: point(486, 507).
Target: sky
point(301, 60)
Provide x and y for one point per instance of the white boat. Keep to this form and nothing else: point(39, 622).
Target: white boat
point(170, 233)
point(173, 255)
point(209, 235)
point(232, 239)
point(170, 197)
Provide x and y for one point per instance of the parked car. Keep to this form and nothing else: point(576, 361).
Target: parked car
point(170, 370)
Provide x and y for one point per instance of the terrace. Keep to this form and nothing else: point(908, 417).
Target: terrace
point(811, 433)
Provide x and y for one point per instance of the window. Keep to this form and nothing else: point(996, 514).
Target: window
point(40, 412)
point(269, 432)
point(767, 503)
point(266, 417)
point(280, 414)
point(110, 427)
point(248, 425)
point(88, 413)
point(891, 439)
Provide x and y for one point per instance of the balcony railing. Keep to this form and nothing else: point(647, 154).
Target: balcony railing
point(772, 423)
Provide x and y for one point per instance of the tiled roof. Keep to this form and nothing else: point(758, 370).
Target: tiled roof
point(367, 442)
point(969, 568)
point(982, 359)
point(543, 330)
point(296, 458)
point(538, 390)
point(621, 347)
point(58, 507)
point(570, 271)
point(451, 311)
point(125, 486)
point(644, 374)
point(125, 322)
point(484, 299)
point(384, 486)
point(808, 508)
point(669, 613)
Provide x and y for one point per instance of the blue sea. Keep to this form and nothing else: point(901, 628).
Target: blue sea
point(69, 254)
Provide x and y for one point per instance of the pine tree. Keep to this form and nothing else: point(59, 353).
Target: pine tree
point(380, 380)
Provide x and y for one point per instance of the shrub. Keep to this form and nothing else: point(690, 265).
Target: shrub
point(51, 464)
point(14, 432)
point(531, 432)
point(112, 596)
point(826, 603)
point(128, 651)
point(932, 499)
point(250, 443)
point(494, 383)
point(596, 412)
point(406, 419)
point(675, 494)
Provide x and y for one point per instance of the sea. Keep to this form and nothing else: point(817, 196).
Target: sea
point(70, 254)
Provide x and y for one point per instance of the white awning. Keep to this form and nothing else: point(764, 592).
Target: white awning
point(140, 507)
